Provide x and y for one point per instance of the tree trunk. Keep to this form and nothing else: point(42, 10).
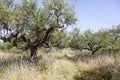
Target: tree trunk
point(93, 52)
point(33, 56)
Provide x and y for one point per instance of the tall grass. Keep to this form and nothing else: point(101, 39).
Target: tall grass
point(59, 70)
point(60, 65)
point(20, 72)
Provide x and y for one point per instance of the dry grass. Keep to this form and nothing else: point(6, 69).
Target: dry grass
point(59, 70)
point(20, 72)
point(61, 66)
point(96, 63)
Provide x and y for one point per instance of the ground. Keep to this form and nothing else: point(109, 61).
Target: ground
point(64, 64)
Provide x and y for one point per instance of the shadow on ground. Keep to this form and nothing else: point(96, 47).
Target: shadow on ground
point(109, 72)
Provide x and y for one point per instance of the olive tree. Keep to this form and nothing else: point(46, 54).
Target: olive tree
point(94, 41)
point(28, 24)
point(114, 40)
point(57, 39)
point(88, 40)
point(75, 38)
point(115, 32)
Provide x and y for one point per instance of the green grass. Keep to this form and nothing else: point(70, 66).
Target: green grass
point(66, 64)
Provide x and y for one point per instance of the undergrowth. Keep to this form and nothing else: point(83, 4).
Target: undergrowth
point(59, 65)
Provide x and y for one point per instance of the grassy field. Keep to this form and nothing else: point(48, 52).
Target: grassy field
point(65, 64)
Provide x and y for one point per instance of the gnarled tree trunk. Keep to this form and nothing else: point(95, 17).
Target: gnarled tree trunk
point(33, 55)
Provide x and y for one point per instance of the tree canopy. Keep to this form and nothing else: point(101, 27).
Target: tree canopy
point(28, 24)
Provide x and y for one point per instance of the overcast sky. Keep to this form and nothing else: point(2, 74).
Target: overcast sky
point(97, 14)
